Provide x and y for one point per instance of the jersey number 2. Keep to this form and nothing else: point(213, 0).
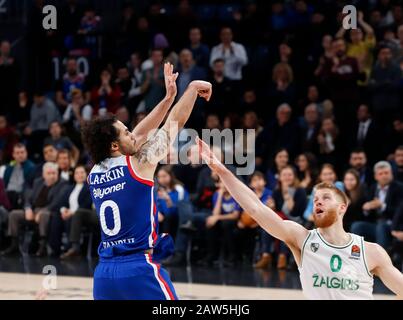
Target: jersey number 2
point(116, 218)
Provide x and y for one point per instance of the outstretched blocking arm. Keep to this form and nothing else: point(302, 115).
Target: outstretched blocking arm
point(154, 119)
point(288, 231)
point(381, 265)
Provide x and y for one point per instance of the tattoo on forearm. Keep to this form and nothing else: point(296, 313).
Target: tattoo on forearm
point(155, 148)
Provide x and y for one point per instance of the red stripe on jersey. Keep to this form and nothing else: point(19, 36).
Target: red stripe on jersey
point(135, 176)
point(171, 295)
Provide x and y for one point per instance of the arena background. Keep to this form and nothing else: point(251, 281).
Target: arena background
point(315, 102)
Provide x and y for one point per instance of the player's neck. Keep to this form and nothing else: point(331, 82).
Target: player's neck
point(335, 234)
point(116, 154)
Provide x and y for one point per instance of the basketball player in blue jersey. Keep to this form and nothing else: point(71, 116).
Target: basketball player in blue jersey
point(122, 188)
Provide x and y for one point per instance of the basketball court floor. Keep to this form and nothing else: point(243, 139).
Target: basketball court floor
point(24, 279)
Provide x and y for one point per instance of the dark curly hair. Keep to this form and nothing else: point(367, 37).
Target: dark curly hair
point(98, 136)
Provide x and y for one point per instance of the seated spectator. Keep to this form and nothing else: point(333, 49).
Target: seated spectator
point(356, 193)
point(200, 51)
point(327, 174)
point(397, 233)
point(105, 96)
point(248, 227)
point(5, 207)
point(170, 192)
point(307, 171)
point(18, 175)
point(221, 226)
point(366, 134)
point(75, 213)
point(384, 85)
point(384, 197)
point(39, 203)
point(124, 82)
point(8, 138)
point(397, 164)
point(328, 141)
point(309, 128)
point(61, 141)
point(89, 29)
point(71, 80)
point(49, 155)
point(282, 88)
point(233, 54)
point(358, 161)
point(77, 112)
point(289, 201)
point(43, 113)
point(281, 160)
point(64, 162)
point(281, 132)
point(136, 73)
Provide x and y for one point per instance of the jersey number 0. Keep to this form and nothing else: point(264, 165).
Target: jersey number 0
point(116, 218)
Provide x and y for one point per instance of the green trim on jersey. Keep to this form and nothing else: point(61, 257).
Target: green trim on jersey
point(333, 246)
point(303, 246)
point(365, 259)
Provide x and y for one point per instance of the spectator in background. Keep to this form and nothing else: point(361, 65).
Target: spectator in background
point(248, 227)
point(72, 79)
point(64, 163)
point(324, 106)
point(384, 197)
point(39, 203)
point(188, 71)
point(384, 86)
point(122, 114)
point(200, 51)
point(49, 153)
point(106, 96)
point(136, 73)
point(283, 132)
point(356, 193)
point(8, 138)
point(397, 164)
point(61, 141)
point(399, 56)
point(366, 134)
point(282, 89)
point(9, 79)
point(250, 102)
point(358, 161)
point(18, 175)
point(288, 201)
point(170, 193)
point(328, 141)
point(281, 160)
point(89, 29)
point(307, 171)
point(221, 226)
point(361, 47)
point(153, 81)
point(124, 82)
point(309, 128)
point(77, 112)
point(75, 211)
point(43, 113)
point(222, 99)
point(233, 54)
point(5, 207)
point(340, 73)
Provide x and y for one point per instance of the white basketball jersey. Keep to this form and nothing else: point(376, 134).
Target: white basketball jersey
point(334, 272)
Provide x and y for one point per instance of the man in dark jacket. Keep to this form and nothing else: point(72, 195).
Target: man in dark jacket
point(384, 197)
point(40, 201)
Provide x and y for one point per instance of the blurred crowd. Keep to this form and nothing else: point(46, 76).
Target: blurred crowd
point(325, 104)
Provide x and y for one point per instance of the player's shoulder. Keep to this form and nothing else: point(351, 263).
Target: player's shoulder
point(375, 255)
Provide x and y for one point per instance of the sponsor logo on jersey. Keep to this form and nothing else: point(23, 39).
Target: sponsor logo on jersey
point(335, 283)
point(314, 246)
point(355, 251)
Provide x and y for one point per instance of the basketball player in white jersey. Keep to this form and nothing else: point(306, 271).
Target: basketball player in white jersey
point(333, 264)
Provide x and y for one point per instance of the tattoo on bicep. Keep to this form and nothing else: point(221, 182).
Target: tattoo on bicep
point(155, 148)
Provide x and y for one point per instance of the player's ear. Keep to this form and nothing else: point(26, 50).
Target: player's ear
point(114, 146)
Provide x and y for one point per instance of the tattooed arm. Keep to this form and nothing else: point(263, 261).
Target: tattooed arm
point(157, 146)
point(157, 115)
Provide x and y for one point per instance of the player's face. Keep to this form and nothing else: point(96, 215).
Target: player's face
point(126, 142)
point(326, 208)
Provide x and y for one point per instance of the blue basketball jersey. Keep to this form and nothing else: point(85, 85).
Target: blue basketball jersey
point(125, 207)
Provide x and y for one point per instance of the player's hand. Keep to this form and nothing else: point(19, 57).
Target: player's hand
point(208, 156)
point(170, 81)
point(204, 89)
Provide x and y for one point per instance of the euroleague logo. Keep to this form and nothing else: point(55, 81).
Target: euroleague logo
point(355, 252)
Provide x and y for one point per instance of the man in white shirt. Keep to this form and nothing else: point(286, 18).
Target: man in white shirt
point(234, 55)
